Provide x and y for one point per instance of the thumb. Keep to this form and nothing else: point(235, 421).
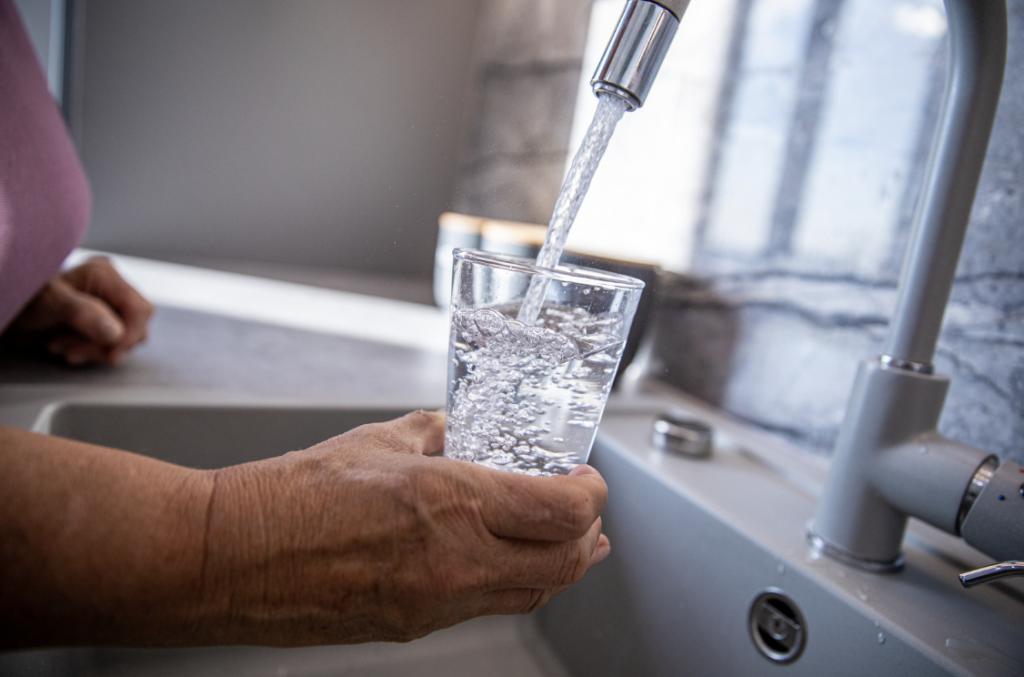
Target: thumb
point(87, 315)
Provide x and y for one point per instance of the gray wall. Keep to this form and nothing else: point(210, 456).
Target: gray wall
point(318, 132)
point(35, 14)
point(525, 83)
point(44, 20)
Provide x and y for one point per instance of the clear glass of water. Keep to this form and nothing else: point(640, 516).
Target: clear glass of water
point(526, 394)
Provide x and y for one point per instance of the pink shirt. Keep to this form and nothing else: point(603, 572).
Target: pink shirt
point(44, 195)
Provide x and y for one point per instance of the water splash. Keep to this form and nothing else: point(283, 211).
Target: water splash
point(610, 109)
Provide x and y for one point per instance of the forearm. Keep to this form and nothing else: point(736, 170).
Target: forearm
point(98, 546)
point(363, 537)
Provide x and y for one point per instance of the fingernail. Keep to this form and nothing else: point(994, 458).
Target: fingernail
point(601, 552)
point(110, 329)
point(583, 470)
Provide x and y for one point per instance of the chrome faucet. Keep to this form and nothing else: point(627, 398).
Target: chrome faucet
point(890, 463)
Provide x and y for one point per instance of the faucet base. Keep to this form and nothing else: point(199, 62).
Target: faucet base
point(819, 547)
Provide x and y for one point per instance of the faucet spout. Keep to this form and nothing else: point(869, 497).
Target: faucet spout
point(636, 49)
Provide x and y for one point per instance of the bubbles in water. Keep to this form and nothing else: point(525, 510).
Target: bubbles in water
point(503, 372)
point(488, 322)
point(489, 328)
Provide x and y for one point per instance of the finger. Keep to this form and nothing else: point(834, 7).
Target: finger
point(556, 508)
point(77, 351)
point(87, 315)
point(98, 277)
point(601, 552)
point(542, 564)
point(527, 600)
point(418, 432)
point(584, 469)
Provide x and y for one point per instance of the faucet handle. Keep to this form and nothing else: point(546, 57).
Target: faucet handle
point(991, 573)
point(995, 519)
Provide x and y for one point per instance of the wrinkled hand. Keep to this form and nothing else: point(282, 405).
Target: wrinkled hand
point(86, 315)
point(366, 538)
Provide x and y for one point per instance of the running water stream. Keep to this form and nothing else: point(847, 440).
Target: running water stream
point(527, 394)
point(610, 109)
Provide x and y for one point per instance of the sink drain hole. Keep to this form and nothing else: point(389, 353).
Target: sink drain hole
point(777, 626)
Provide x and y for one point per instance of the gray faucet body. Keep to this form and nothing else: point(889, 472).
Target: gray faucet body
point(890, 463)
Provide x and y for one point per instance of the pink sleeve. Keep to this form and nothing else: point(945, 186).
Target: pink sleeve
point(44, 195)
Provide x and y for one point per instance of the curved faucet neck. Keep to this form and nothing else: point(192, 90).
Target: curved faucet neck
point(978, 35)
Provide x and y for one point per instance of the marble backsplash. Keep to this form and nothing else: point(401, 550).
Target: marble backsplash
point(775, 339)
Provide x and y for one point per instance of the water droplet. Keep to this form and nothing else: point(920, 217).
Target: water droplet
point(781, 569)
point(881, 638)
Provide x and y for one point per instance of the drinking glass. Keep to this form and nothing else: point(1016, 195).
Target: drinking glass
point(526, 394)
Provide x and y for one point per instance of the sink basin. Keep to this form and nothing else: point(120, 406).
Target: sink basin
point(695, 543)
point(205, 436)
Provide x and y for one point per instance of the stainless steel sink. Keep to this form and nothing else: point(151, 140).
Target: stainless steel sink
point(205, 435)
point(695, 543)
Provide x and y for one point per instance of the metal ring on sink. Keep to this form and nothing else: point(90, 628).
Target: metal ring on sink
point(683, 436)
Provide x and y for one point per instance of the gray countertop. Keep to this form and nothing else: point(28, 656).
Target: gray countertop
point(212, 356)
